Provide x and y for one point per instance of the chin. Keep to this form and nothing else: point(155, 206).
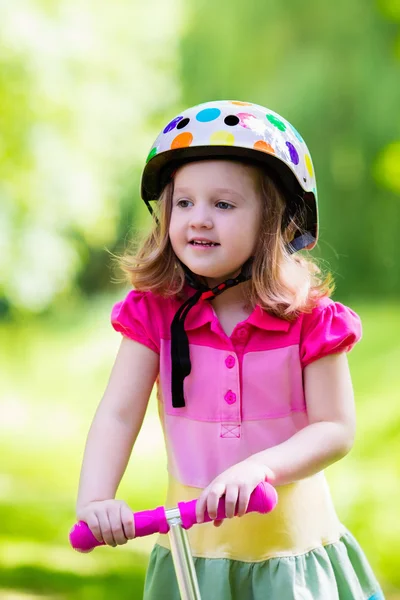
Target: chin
point(215, 276)
point(209, 271)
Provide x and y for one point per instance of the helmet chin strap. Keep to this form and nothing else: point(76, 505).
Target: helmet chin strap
point(300, 242)
point(180, 355)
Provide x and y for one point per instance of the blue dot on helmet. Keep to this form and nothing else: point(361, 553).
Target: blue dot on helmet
point(208, 114)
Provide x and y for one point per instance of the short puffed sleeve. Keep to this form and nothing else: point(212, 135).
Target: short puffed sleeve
point(134, 318)
point(329, 329)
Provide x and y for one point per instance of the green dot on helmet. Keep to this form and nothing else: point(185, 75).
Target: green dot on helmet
point(152, 153)
point(276, 122)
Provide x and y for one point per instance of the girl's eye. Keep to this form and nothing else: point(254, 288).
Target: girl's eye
point(224, 205)
point(184, 203)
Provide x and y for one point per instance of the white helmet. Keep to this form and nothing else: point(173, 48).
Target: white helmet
point(233, 129)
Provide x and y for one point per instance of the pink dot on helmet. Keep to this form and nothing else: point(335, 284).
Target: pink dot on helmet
point(245, 119)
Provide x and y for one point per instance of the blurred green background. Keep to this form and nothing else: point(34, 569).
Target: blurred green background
point(84, 89)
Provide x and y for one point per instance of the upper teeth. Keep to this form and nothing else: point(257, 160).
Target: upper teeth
point(203, 242)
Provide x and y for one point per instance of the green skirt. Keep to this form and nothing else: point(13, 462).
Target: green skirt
point(337, 571)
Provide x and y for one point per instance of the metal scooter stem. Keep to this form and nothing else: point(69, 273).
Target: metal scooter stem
point(182, 557)
point(176, 521)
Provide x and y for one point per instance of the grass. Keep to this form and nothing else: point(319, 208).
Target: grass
point(54, 372)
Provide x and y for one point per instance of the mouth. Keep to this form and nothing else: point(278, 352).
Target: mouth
point(203, 243)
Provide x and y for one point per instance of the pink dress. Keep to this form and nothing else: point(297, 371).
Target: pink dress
point(245, 394)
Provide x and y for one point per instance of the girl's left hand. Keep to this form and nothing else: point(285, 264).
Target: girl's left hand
point(236, 483)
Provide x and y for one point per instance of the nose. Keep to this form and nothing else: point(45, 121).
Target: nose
point(200, 217)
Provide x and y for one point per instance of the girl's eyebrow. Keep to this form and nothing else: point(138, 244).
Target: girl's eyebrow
point(185, 190)
point(228, 191)
point(182, 190)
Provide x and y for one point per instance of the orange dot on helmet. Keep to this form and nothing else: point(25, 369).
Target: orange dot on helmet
point(261, 145)
point(182, 140)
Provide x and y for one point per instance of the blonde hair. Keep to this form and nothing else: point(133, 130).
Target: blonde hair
point(284, 284)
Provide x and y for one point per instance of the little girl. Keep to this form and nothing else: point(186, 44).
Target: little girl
point(249, 355)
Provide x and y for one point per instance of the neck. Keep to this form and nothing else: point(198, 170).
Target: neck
point(232, 297)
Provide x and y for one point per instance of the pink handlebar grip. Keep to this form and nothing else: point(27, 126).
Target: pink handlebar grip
point(262, 500)
point(82, 539)
point(146, 523)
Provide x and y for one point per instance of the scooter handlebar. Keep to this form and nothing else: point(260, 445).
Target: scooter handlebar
point(263, 499)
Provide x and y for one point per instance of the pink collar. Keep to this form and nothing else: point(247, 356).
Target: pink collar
point(202, 313)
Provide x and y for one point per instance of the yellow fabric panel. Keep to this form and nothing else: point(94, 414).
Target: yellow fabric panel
point(303, 520)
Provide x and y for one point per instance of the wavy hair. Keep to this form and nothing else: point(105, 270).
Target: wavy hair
point(284, 284)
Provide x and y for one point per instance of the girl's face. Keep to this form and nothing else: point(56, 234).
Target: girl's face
point(215, 218)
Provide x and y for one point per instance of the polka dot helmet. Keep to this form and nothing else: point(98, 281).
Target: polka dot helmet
point(241, 130)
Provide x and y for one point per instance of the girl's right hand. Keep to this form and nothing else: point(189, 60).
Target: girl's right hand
point(110, 521)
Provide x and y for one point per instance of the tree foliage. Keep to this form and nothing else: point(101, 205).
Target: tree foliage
point(79, 86)
point(84, 90)
point(332, 70)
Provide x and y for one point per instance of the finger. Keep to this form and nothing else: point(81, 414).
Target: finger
point(270, 475)
point(201, 506)
point(114, 516)
point(128, 523)
point(105, 528)
point(231, 496)
point(218, 522)
point(215, 493)
point(94, 526)
point(243, 500)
